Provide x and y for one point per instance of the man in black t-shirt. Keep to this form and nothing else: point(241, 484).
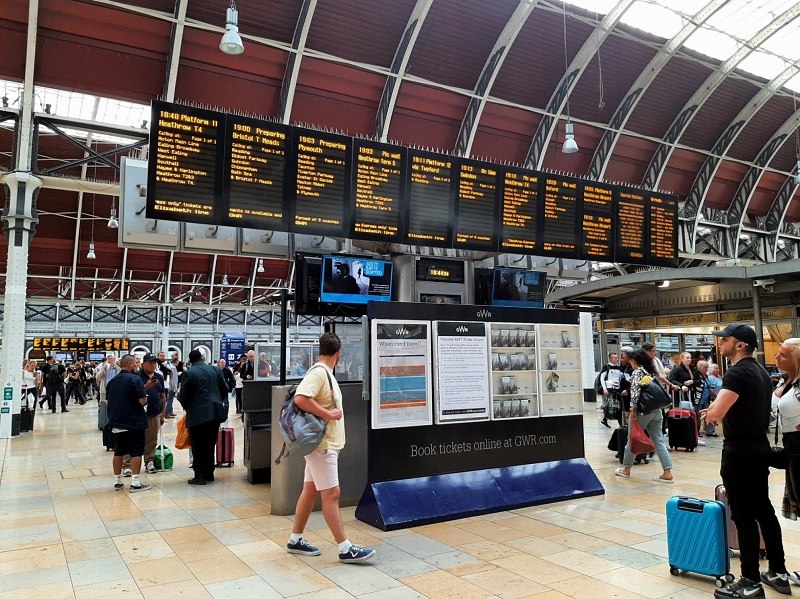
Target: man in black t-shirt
point(743, 404)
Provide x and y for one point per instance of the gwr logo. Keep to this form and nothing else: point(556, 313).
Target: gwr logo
point(484, 314)
point(462, 329)
point(402, 332)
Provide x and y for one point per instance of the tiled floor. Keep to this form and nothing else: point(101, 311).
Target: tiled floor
point(65, 533)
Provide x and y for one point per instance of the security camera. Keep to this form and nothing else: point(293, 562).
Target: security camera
point(763, 282)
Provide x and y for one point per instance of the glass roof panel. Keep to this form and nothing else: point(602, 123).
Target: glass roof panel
point(654, 19)
point(742, 19)
point(764, 65)
point(784, 42)
point(794, 84)
point(712, 43)
point(601, 7)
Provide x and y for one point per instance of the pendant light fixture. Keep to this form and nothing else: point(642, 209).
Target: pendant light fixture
point(231, 42)
point(570, 145)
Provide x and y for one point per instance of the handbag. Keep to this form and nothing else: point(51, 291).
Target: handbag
point(652, 396)
point(182, 439)
point(640, 442)
point(778, 456)
point(612, 409)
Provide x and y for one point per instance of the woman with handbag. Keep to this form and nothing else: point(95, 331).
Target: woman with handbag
point(644, 373)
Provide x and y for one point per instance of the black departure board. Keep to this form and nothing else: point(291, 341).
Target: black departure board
point(430, 198)
point(209, 167)
point(183, 178)
point(378, 191)
point(597, 222)
point(519, 222)
point(631, 226)
point(561, 217)
point(663, 222)
point(256, 164)
point(322, 183)
point(476, 206)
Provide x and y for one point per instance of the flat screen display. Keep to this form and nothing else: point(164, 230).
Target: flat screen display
point(476, 206)
point(562, 208)
point(631, 246)
point(663, 230)
point(597, 230)
point(430, 198)
point(352, 280)
point(378, 203)
point(521, 198)
point(518, 288)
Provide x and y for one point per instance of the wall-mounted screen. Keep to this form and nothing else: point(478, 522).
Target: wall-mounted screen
point(352, 280)
point(518, 288)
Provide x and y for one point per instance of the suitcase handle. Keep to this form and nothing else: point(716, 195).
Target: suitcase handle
point(691, 505)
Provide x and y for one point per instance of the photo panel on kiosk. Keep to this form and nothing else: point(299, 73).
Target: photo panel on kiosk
point(663, 223)
point(561, 207)
point(184, 180)
point(355, 280)
point(320, 193)
point(631, 228)
point(477, 207)
point(378, 199)
point(430, 181)
point(256, 172)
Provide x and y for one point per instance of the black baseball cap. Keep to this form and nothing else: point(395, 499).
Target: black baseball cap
point(741, 332)
point(149, 358)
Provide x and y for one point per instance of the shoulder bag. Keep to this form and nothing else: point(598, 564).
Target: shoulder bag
point(778, 456)
point(652, 396)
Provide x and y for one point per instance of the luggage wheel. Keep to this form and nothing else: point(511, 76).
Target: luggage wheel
point(674, 571)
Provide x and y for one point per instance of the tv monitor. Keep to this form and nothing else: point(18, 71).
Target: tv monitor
point(308, 272)
point(518, 288)
point(355, 280)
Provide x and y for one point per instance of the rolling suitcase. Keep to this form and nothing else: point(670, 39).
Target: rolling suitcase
point(102, 413)
point(164, 460)
point(733, 534)
point(682, 426)
point(225, 445)
point(697, 538)
point(619, 438)
point(26, 416)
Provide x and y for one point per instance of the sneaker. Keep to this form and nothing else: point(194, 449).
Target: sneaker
point(356, 554)
point(139, 488)
point(779, 582)
point(605, 423)
point(302, 547)
point(118, 486)
point(151, 467)
point(744, 588)
point(127, 472)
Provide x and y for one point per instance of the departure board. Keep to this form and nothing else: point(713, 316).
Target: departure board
point(322, 183)
point(430, 198)
point(519, 220)
point(256, 163)
point(561, 217)
point(183, 178)
point(378, 191)
point(631, 227)
point(663, 230)
point(476, 206)
point(597, 222)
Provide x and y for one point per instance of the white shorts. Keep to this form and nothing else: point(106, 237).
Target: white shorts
point(322, 469)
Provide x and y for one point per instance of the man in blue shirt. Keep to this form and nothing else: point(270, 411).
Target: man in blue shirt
point(153, 382)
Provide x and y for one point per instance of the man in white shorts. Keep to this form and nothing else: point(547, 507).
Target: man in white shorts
point(319, 394)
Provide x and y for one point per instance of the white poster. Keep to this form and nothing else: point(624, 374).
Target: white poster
point(401, 379)
point(462, 371)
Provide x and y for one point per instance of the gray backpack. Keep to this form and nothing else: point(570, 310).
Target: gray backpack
point(301, 431)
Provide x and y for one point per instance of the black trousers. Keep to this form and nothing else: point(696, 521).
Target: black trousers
point(239, 391)
point(204, 440)
point(51, 396)
point(75, 389)
point(745, 476)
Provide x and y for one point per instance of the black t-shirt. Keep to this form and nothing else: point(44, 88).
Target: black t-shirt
point(747, 422)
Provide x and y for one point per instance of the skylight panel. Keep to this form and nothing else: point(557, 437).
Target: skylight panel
point(601, 7)
point(794, 85)
point(712, 43)
point(654, 19)
point(763, 65)
point(742, 19)
point(784, 42)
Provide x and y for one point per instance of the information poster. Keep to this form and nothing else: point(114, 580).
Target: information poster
point(462, 371)
point(401, 373)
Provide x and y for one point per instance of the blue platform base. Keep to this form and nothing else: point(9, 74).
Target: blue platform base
point(396, 504)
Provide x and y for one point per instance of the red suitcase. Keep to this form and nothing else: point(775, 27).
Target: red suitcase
point(225, 446)
point(733, 535)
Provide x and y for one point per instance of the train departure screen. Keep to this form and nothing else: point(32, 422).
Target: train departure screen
point(476, 206)
point(631, 226)
point(520, 206)
point(430, 198)
point(597, 228)
point(663, 230)
point(322, 183)
point(561, 210)
point(378, 185)
point(256, 161)
point(183, 182)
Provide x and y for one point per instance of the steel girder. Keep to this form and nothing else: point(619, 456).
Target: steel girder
point(176, 41)
point(295, 57)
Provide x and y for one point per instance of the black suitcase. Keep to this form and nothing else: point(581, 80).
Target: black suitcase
point(108, 437)
point(26, 416)
point(682, 426)
point(619, 438)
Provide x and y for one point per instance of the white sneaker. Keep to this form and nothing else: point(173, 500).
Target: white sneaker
point(127, 472)
point(151, 467)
